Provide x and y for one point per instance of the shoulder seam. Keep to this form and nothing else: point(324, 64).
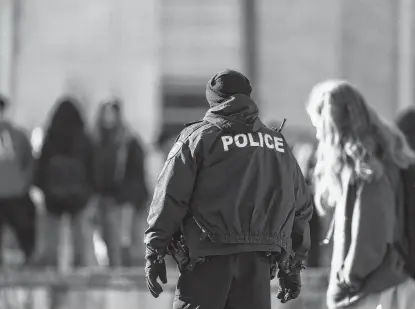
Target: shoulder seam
point(190, 130)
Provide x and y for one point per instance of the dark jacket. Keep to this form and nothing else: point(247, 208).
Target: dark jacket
point(233, 185)
point(16, 161)
point(406, 123)
point(368, 225)
point(119, 168)
point(65, 137)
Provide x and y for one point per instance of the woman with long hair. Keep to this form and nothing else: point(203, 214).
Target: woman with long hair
point(358, 168)
point(64, 175)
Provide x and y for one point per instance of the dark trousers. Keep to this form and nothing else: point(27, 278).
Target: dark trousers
point(236, 281)
point(20, 215)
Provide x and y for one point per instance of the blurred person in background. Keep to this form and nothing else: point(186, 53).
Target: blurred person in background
point(304, 154)
point(358, 173)
point(165, 141)
point(64, 175)
point(320, 229)
point(119, 181)
point(406, 122)
point(16, 174)
point(234, 192)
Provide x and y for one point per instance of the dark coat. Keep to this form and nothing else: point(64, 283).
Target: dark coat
point(368, 225)
point(234, 185)
point(66, 136)
point(118, 168)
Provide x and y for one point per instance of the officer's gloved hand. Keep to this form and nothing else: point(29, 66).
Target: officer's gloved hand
point(289, 277)
point(155, 268)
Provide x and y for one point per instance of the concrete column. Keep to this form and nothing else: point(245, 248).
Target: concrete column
point(405, 54)
point(6, 43)
point(297, 46)
point(369, 51)
point(249, 38)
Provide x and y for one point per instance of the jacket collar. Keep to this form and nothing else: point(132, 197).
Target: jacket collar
point(240, 113)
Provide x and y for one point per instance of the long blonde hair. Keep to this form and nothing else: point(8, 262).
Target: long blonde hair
point(353, 137)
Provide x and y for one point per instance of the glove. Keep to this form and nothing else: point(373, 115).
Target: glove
point(289, 278)
point(154, 269)
point(289, 286)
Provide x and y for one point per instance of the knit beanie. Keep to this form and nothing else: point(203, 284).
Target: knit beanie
point(225, 84)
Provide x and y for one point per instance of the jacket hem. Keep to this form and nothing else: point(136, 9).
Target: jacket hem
point(280, 241)
point(212, 250)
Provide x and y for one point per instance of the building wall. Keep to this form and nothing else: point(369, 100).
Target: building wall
point(304, 42)
point(199, 38)
point(369, 51)
point(93, 49)
point(298, 45)
point(6, 44)
point(97, 48)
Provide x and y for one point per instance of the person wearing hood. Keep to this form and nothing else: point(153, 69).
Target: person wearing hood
point(16, 174)
point(233, 193)
point(63, 174)
point(119, 181)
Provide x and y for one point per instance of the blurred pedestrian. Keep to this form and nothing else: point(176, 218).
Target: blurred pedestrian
point(304, 153)
point(119, 180)
point(358, 173)
point(16, 170)
point(233, 196)
point(406, 122)
point(64, 174)
point(166, 140)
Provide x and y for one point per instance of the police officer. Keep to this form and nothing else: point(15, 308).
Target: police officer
point(234, 190)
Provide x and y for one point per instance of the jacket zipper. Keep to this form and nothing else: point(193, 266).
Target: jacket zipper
point(205, 234)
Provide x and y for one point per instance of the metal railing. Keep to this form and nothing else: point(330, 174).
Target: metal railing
point(125, 288)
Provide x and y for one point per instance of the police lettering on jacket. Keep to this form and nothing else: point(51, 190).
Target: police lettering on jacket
point(253, 140)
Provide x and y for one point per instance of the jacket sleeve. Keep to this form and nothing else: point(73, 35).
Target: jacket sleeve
point(171, 198)
point(304, 206)
point(372, 228)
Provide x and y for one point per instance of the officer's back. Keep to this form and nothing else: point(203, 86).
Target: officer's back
point(244, 192)
point(233, 188)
